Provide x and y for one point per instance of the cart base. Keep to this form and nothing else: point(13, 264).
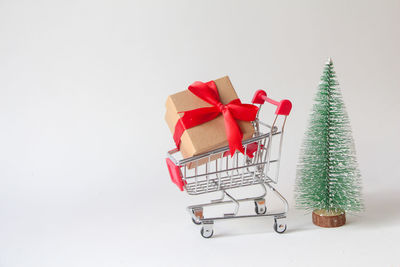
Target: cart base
point(196, 212)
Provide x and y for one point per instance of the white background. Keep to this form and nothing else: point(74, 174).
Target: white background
point(82, 140)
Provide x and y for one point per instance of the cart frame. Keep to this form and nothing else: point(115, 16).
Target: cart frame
point(221, 172)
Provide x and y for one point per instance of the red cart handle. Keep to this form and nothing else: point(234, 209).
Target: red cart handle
point(283, 107)
point(175, 173)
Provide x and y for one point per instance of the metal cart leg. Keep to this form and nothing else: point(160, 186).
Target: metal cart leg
point(237, 205)
point(285, 203)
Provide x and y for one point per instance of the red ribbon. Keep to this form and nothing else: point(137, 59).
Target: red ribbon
point(231, 112)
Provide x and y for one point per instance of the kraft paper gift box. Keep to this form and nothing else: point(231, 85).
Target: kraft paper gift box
point(209, 135)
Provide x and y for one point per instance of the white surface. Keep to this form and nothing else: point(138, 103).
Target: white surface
point(82, 139)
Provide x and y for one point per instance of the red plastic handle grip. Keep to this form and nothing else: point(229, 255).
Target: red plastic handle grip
point(283, 107)
point(175, 173)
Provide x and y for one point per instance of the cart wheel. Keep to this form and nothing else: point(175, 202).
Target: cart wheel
point(206, 233)
point(260, 208)
point(198, 213)
point(196, 222)
point(280, 228)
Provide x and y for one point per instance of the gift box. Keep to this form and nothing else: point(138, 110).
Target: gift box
point(211, 134)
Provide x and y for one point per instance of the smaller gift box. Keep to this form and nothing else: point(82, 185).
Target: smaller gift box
point(209, 116)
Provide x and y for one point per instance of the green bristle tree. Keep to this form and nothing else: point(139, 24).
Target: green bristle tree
point(328, 178)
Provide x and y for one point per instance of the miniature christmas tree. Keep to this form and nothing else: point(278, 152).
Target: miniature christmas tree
point(328, 180)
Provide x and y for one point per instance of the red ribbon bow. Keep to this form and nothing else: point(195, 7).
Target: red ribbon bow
point(231, 112)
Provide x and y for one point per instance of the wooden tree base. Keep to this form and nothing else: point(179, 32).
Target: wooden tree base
point(328, 219)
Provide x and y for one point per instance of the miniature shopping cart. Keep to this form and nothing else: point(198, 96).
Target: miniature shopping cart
point(256, 167)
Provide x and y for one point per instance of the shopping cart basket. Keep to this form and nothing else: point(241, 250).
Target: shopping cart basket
point(252, 168)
